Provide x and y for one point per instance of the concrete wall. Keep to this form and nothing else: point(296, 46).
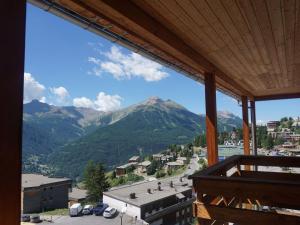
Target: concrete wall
point(132, 210)
point(45, 198)
point(31, 201)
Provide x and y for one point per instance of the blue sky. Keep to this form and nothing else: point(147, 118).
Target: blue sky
point(67, 65)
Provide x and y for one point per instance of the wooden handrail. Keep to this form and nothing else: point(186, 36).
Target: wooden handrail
point(249, 190)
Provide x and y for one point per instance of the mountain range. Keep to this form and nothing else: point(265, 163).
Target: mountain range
point(64, 138)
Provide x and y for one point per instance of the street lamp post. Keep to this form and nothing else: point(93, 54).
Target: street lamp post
point(122, 214)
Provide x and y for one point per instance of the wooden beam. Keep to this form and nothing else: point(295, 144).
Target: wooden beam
point(219, 168)
point(253, 127)
point(12, 39)
point(243, 216)
point(211, 119)
point(246, 134)
point(271, 176)
point(276, 97)
point(271, 193)
point(279, 161)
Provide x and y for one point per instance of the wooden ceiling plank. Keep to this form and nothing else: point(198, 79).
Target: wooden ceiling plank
point(197, 25)
point(289, 26)
point(274, 91)
point(276, 19)
point(211, 34)
point(296, 71)
point(159, 11)
point(253, 23)
point(262, 14)
point(277, 97)
point(223, 22)
point(212, 21)
point(253, 26)
point(238, 19)
point(235, 39)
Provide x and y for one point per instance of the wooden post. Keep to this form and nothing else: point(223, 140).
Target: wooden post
point(253, 127)
point(246, 134)
point(12, 41)
point(246, 130)
point(211, 119)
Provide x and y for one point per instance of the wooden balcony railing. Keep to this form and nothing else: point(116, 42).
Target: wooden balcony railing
point(234, 191)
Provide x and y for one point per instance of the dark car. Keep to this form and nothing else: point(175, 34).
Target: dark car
point(99, 209)
point(25, 218)
point(35, 219)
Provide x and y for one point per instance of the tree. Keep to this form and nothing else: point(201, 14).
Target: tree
point(130, 169)
point(268, 142)
point(95, 181)
point(279, 141)
point(261, 135)
point(153, 167)
point(200, 140)
point(113, 175)
point(222, 137)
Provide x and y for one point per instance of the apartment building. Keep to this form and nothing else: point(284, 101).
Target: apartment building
point(167, 201)
point(41, 193)
point(122, 170)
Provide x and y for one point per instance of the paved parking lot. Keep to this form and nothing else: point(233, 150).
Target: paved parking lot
point(90, 220)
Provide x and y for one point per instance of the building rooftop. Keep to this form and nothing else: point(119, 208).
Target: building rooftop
point(145, 163)
point(36, 180)
point(126, 165)
point(157, 155)
point(174, 164)
point(181, 158)
point(142, 197)
point(77, 194)
point(134, 158)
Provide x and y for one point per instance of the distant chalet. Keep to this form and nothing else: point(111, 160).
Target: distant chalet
point(41, 193)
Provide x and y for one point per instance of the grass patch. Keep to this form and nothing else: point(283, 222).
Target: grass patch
point(56, 212)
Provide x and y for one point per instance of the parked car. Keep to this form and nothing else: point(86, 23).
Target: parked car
point(87, 210)
point(99, 209)
point(75, 209)
point(25, 218)
point(109, 212)
point(35, 218)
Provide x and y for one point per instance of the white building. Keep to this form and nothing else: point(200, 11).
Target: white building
point(154, 201)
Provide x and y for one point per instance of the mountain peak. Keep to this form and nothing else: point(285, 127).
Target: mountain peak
point(35, 106)
point(154, 100)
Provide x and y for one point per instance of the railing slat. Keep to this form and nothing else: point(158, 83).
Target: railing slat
point(243, 216)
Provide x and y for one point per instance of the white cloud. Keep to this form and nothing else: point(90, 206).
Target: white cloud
point(33, 89)
point(83, 102)
point(60, 93)
point(126, 66)
point(107, 103)
point(103, 102)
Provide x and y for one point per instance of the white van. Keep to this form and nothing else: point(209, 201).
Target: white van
point(75, 209)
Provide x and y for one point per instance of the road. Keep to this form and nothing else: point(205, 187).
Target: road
point(92, 220)
point(193, 166)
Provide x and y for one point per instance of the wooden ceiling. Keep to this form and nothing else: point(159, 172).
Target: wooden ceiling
point(253, 46)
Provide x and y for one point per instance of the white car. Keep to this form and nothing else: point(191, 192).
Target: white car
point(87, 210)
point(109, 212)
point(75, 209)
